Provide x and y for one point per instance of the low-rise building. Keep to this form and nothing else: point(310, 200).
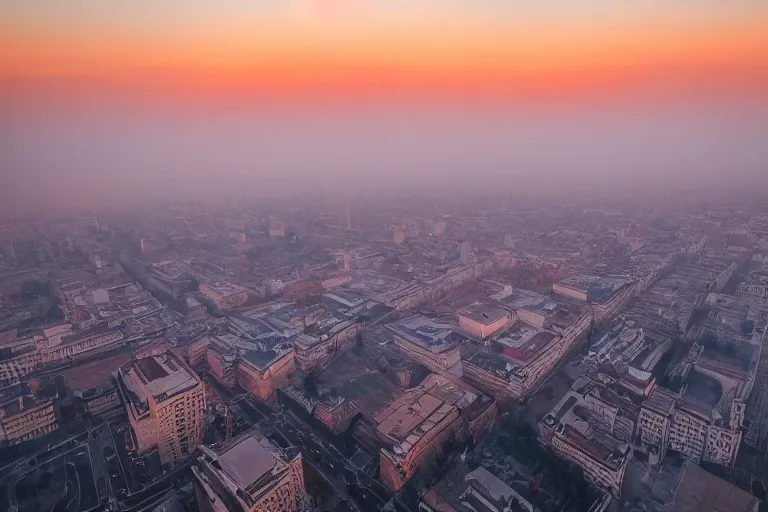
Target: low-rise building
point(55, 345)
point(258, 366)
point(606, 296)
point(23, 416)
point(102, 398)
point(415, 425)
point(474, 491)
point(396, 407)
point(225, 295)
point(18, 357)
point(755, 286)
point(482, 320)
point(571, 431)
point(433, 344)
point(515, 362)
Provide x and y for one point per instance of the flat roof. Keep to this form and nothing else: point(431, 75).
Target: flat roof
point(593, 448)
point(598, 289)
point(224, 288)
point(360, 379)
point(482, 313)
point(409, 418)
point(304, 341)
point(402, 421)
point(531, 301)
point(164, 375)
point(246, 462)
point(524, 343)
point(427, 333)
point(520, 335)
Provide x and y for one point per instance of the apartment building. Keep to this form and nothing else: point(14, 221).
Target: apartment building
point(165, 401)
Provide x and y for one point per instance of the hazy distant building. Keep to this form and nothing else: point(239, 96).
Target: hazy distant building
point(277, 229)
point(399, 237)
point(440, 228)
point(224, 295)
point(349, 217)
point(165, 400)
point(466, 252)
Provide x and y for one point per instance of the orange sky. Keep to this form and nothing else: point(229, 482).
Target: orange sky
point(302, 54)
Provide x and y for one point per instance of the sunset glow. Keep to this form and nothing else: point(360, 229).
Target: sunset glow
point(343, 49)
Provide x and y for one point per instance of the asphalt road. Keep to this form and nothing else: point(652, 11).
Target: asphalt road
point(349, 481)
point(285, 430)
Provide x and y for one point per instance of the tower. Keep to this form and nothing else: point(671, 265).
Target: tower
point(466, 252)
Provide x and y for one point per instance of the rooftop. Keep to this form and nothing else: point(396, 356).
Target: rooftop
point(598, 289)
point(573, 421)
point(410, 418)
point(476, 491)
point(164, 375)
point(482, 313)
point(524, 337)
point(427, 333)
point(531, 301)
point(224, 288)
point(660, 400)
point(246, 461)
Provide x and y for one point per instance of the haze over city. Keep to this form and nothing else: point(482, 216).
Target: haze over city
point(281, 97)
point(367, 255)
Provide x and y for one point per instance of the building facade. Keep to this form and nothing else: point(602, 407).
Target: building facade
point(165, 401)
point(23, 418)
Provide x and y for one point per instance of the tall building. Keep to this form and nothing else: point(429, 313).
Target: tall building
point(248, 475)
point(440, 228)
point(466, 252)
point(349, 217)
point(277, 229)
point(165, 400)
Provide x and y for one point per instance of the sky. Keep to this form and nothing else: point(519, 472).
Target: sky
point(101, 102)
